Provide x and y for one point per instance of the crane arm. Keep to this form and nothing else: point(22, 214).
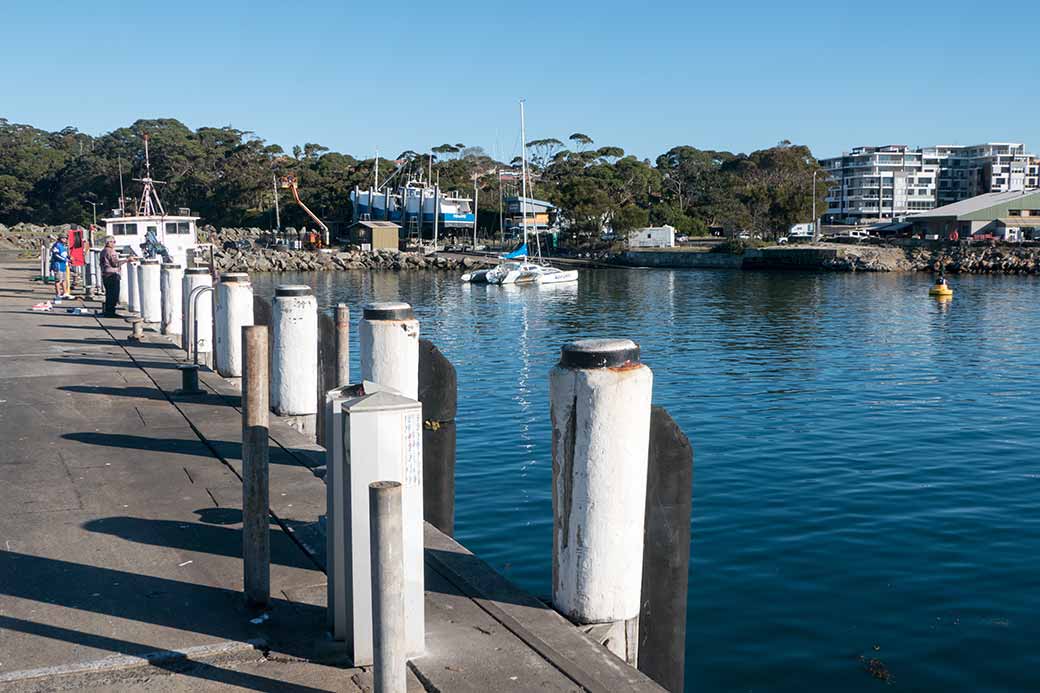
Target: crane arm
point(312, 215)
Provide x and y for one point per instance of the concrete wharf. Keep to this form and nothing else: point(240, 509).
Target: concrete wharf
point(121, 520)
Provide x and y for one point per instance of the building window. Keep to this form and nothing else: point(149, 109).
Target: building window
point(1015, 213)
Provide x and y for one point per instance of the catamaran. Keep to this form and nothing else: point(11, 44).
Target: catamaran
point(518, 268)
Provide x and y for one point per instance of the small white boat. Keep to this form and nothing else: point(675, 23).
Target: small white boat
point(518, 269)
point(527, 273)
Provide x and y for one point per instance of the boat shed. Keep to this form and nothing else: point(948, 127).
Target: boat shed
point(985, 216)
point(375, 235)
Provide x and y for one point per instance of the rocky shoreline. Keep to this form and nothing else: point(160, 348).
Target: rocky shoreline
point(27, 238)
point(956, 259)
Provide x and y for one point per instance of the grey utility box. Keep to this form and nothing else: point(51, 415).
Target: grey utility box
point(373, 434)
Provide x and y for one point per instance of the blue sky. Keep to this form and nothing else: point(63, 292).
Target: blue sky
point(360, 76)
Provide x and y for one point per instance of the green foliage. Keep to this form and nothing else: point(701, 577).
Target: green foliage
point(225, 175)
point(736, 246)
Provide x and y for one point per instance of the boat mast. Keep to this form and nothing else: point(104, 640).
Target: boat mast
point(523, 175)
point(149, 193)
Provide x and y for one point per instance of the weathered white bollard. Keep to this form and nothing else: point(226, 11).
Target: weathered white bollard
point(294, 341)
point(124, 285)
point(194, 278)
point(171, 282)
point(234, 305)
point(132, 302)
point(600, 408)
point(389, 347)
point(43, 260)
point(150, 291)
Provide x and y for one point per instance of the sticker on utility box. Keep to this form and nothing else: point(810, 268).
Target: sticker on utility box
point(412, 449)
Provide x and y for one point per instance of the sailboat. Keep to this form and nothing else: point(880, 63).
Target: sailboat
point(518, 268)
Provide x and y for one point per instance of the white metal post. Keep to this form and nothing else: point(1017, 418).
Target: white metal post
point(195, 277)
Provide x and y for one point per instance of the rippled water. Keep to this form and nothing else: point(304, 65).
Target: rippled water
point(866, 478)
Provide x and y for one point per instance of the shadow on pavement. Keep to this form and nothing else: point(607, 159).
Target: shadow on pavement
point(167, 660)
point(183, 446)
point(293, 627)
point(202, 538)
point(137, 392)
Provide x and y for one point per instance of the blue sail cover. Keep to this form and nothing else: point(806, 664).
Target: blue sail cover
point(519, 252)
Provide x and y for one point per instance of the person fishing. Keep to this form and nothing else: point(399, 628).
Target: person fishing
point(110, 264)
point(941, 279)
point(59, 265)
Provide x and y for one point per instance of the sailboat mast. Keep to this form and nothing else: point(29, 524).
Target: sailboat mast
point(523, 174)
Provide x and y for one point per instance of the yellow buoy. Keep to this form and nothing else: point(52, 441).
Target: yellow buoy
point(940, 290)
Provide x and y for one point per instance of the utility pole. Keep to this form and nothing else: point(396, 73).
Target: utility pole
point(94, 225)
point(816, 223)
point(501, 212)
point(277, 211)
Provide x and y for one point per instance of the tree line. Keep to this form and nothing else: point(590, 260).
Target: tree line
point(226, 176)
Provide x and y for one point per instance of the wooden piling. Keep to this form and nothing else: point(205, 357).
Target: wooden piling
point(666, 553)
point(256, 540)
point(438, 392)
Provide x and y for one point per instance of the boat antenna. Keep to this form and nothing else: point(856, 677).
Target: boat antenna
point(150, 202)
point(377, 170)
point(122, 199)
point(523, 174)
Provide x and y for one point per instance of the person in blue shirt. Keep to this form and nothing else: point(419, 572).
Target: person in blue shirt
point(59, 264)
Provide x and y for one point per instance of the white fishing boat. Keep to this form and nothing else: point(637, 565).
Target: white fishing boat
point(149, 229)
point(518, 268)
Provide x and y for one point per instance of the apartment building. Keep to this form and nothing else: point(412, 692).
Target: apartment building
point(894, 181)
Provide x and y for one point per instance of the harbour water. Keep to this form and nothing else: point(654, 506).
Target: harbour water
point(866, 475)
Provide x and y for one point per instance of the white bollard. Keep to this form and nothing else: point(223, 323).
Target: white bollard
point(150, 291)
point(234, 306)
point(195, 277)
point(294, 344)
point(43, 260)
point(388, 336)
point(132, 303)
point(600, 408)
point(171, 283)
point(124, 285)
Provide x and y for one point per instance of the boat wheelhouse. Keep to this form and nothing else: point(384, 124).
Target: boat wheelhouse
point(176, 232)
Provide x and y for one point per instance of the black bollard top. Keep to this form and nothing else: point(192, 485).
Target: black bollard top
point(232, 277)
point(599, 353)
point(196, 270)
point(292, 290)
point(390, 310)
point(150, 261)
point(171, 266)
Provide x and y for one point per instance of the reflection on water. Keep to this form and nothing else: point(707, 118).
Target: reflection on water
point(866, 476)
